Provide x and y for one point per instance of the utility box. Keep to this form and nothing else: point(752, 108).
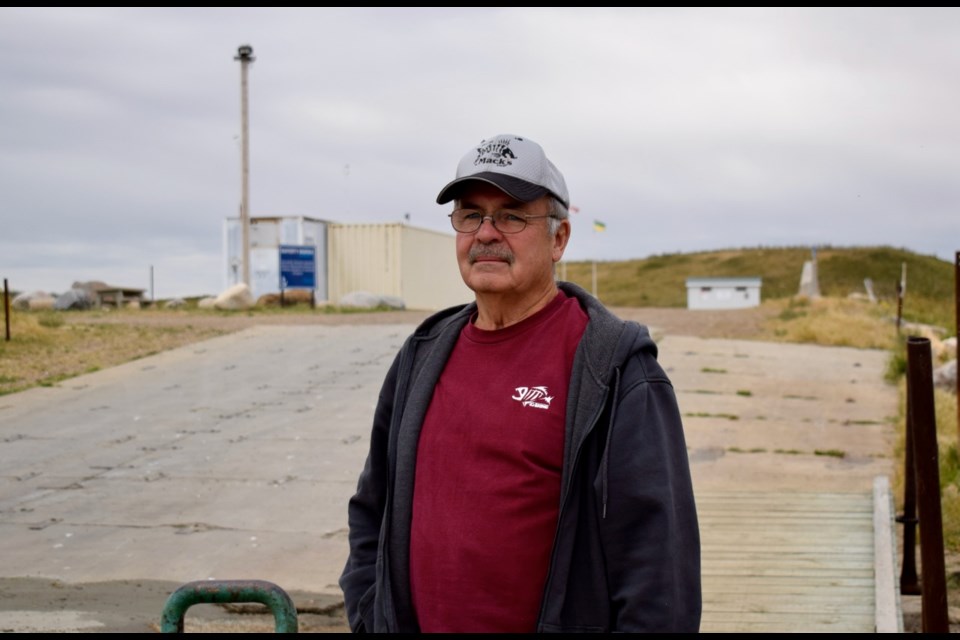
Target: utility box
point(723, 293)
point(419, 266)
point(267, 236)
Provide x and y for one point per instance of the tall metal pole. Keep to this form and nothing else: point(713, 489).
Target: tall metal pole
point(6, 307)
point(245, 56)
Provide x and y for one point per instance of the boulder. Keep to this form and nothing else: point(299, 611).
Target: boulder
point(33, 300)
point(207, 303)
point(236, 298)
point(366, 300)
point(77, 298)
point(945, 377)
point(40, 304)
point(393, 302)
point(950, 346)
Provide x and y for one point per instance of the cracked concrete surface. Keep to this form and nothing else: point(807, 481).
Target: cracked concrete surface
point(234, 459)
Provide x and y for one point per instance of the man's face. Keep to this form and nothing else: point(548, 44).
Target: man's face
point(515, 264)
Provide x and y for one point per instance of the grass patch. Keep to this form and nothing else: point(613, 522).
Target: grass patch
point(47, 347)
point(712, 370)
point(833, 453)
point(703, 414)
point(744, 392)
point(754, 450)
point(790, 452)
point(795, 309)
point(945, 414)
point(50, 319)
point(838, 322)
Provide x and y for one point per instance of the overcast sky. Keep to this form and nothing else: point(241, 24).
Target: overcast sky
point(681, 129)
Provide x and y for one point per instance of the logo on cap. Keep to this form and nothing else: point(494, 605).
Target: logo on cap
point(497, 153)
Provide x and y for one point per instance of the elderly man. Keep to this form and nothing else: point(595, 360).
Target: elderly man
point(527, 467)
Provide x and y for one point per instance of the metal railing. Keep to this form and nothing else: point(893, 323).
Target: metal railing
point(226, 591)
point(922, 494)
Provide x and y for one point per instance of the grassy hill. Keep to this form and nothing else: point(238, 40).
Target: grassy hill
point(660, 281)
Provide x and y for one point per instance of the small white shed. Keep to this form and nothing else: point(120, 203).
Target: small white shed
point(723, 293)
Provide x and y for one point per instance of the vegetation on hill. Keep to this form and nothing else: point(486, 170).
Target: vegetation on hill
point(660, 280)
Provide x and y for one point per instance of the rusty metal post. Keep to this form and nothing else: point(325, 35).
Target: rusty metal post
point(909, 584)
point(926, 460)
point(6, 307)
point(226, 591)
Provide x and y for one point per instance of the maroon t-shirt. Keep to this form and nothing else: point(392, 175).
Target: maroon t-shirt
point(487, 489)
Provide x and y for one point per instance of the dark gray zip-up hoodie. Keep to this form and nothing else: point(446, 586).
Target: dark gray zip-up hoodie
point(626, 554)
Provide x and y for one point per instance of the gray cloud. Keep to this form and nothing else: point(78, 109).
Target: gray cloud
point(681, 129)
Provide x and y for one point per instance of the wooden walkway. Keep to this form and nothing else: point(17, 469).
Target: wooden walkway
point(797, 562)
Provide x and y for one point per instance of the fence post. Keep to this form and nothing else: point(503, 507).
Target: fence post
point(922, 419)
point(6, 307)
point(909, 584)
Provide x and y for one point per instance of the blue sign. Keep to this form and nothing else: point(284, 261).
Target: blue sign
point(298, 267)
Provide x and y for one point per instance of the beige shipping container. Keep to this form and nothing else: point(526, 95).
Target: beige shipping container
point(419, 266)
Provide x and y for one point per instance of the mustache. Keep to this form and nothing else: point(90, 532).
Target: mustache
point(497, 251)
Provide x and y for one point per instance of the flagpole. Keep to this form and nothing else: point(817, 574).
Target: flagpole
point(597, 227)
point(593, 265)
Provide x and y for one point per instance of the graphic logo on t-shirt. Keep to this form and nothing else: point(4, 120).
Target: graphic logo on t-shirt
point(533, 397)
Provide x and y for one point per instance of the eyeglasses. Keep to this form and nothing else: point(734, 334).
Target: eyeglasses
point(504, 220)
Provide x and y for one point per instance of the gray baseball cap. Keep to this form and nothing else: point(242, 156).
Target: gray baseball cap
point(517, 166)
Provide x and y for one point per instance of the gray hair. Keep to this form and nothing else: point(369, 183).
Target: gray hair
point(557, 213)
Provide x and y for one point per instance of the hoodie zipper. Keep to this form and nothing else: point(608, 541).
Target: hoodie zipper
point(563, 502)
point(605, 459)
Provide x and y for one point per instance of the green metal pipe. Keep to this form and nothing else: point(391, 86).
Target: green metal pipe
point(226, 591)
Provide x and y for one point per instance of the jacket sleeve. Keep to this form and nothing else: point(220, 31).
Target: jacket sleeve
point(650, 531)
point(365, 512)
